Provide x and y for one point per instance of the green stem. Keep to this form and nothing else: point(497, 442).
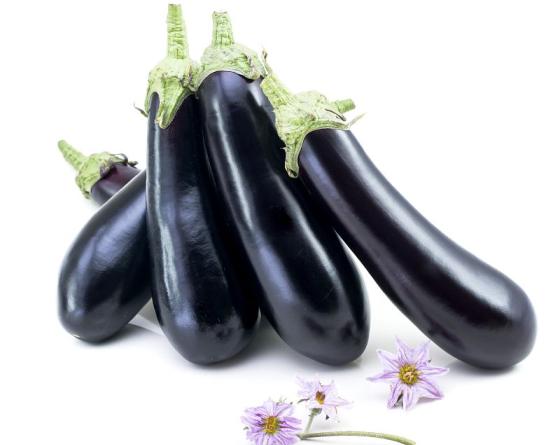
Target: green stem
point(344, 105)
point(312, 416)
point(297, 115)
point(276, 91)
point(177, 46)
point(225, 54)
point(169, 80)
point(75, 158)
point(399, 439)
point(222, 32)
point(92, 168)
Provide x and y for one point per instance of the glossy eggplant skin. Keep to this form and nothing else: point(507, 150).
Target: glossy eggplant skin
point(468, 308)
point(117, 177)
point(311, 291)
point(104, 279)
point(204, 308)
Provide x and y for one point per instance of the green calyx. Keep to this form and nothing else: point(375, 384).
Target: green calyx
point(299, 114)
point(171, 78)
point(226, 55)
point(90, 168)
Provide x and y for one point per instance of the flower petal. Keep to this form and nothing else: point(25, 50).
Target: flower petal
point(387, 375)
point(330, 411)
point(410, 397)
point(284, 439)
point(283, 409)
point(405, 354)
point(335, 400)
point(269, 406)
point(422, 354)
point(301, 382)
point(291, 424)
point(396, 391)
point(389, 361)
point(429, 389)
point(430, 370)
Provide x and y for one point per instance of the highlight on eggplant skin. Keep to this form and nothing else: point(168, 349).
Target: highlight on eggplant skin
point(204, 308)
point(104, 279)
point(312, 292)
point(471, 310)
point(112, 182)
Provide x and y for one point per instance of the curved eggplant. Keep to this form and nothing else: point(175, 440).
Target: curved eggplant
point(312, 293)
point(202, 304)
point(104, 279)
point(467, 307)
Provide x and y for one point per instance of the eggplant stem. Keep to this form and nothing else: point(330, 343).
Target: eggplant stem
point(222, 31)
point(276, 91)
point(177, 46)
point(297, 115)
point(170, 78)
point(344, 105)
point(224, 54)
point(92, 168)
point(74, 157)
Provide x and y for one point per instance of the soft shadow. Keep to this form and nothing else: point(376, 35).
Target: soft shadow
point(267, 342)
point(148, 313)
point(125, 333)
point(147, 318)
point(466, 370)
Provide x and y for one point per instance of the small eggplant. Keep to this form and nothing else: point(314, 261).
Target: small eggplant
point(206, 310)
point(104, 280)
point(90, 306)
point(311, 291)
point(467, 307)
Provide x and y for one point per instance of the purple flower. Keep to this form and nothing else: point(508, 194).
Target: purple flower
point(321, 397)
point(271, 424)
point(410, 375)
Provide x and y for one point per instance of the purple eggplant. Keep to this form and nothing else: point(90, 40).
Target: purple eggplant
point(471, 310)
point(204, 306)
point(311, 291)
point(104, 279)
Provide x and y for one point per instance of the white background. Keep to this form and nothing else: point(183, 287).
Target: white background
point(463, 113)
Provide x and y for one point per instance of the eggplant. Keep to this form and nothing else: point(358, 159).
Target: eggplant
point(111, 172)
point(311, 291)
point(97, 296)
point(202, 304)
point(105, 276)
point(468, 308)
point(90, 306)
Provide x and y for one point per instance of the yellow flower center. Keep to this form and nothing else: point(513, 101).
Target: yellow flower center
point(409, 374)
point(271, 425)
point(320, 397)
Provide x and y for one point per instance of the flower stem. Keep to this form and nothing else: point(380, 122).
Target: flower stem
point(312, 416)
point(399, 439)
